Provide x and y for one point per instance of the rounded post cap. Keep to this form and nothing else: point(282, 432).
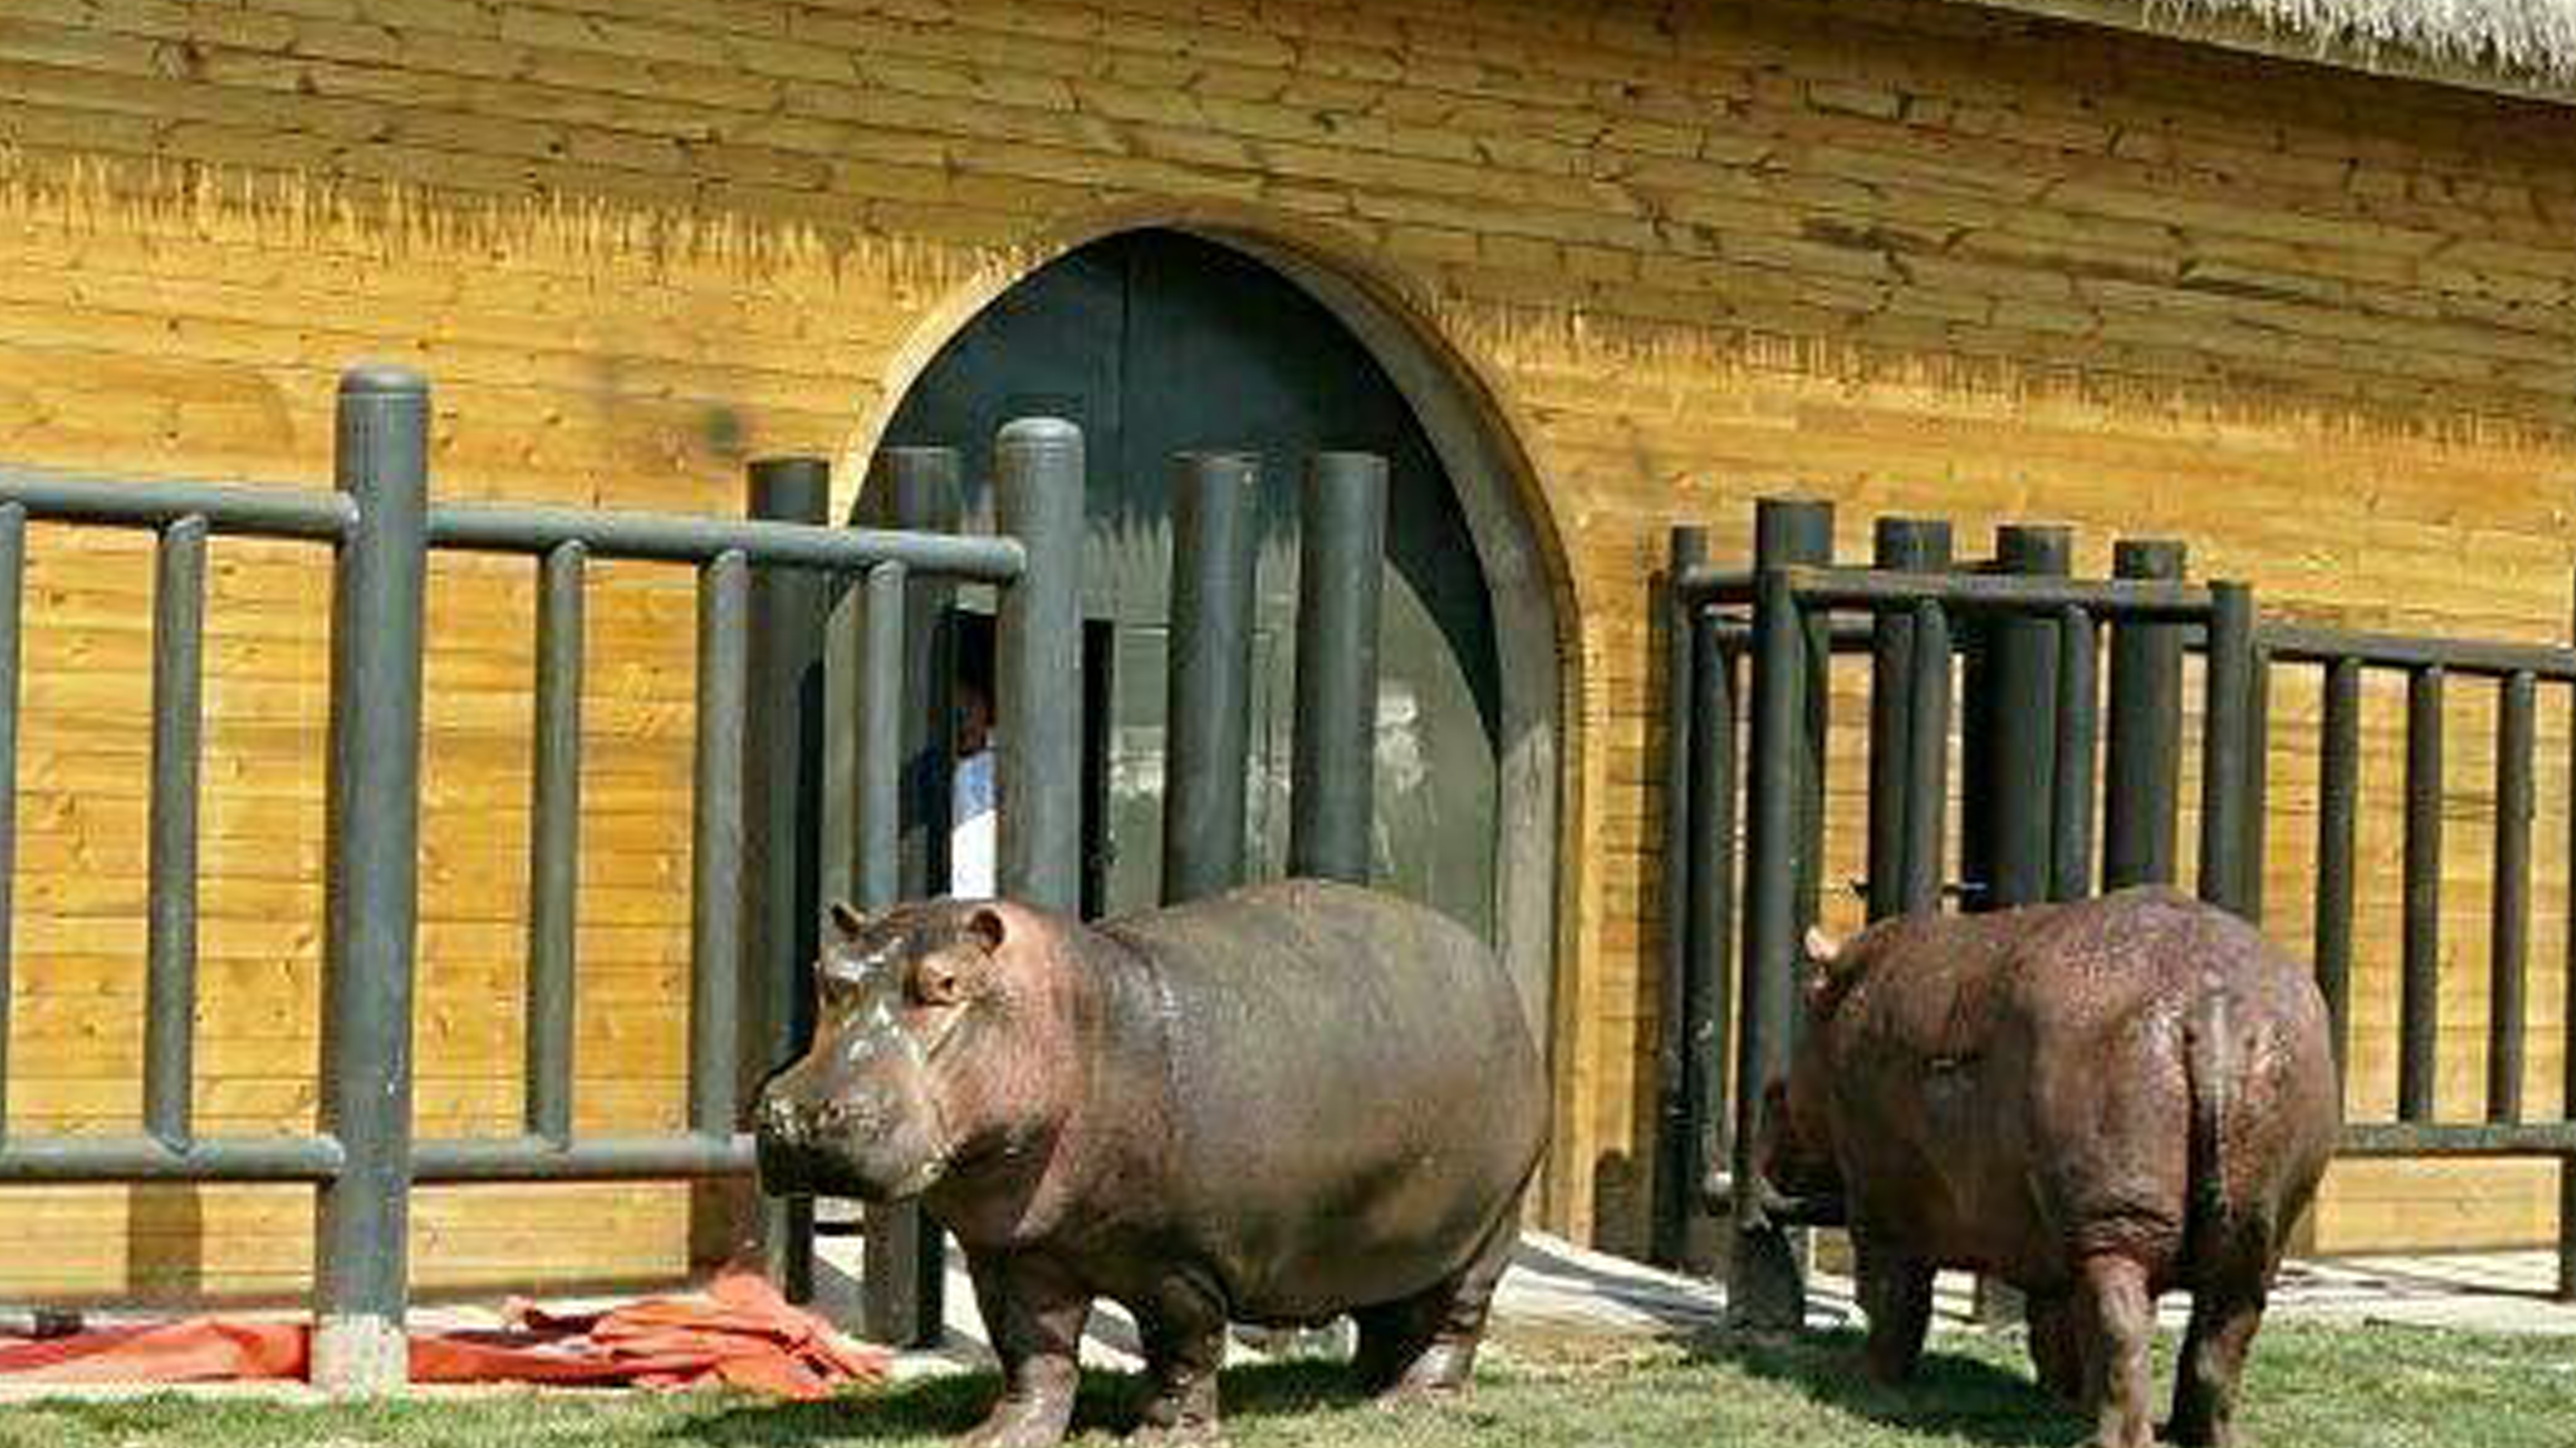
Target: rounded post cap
point(1038, 433)
point(2148, 557)
point(383, 379)
point(791, 489)
point(2035, 547)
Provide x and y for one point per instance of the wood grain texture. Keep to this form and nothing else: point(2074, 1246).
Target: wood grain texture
point(1903, 255)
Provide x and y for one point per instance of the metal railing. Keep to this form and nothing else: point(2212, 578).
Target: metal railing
point(765, 587)
point(2517, 672)
point(2027, 645)
point(382, 528)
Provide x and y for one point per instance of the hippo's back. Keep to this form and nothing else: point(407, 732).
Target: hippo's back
point(1356, 1100)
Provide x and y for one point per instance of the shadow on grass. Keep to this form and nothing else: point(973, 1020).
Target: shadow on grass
point(944, 1407)
point(1972, 1399)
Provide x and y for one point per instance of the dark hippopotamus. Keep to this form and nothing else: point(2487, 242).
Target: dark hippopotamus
point(2096, 1102)
point(1272, 1107)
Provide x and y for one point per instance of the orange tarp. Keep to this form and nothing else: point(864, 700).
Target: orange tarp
point(739, 1333)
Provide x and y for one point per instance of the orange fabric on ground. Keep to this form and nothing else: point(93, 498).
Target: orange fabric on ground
point(739, 1333)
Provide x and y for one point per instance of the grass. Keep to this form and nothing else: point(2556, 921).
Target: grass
point(2314, 1387)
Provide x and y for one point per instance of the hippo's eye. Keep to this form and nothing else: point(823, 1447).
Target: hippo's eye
point(839, 972)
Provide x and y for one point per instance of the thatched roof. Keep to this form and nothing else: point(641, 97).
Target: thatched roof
point(2524, 47)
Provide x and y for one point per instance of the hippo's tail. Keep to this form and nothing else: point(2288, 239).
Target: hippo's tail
point(2212, 1229)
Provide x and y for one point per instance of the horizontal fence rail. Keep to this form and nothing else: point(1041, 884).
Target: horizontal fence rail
point(245, 510)
point(2102, 663)
point(363, 1156)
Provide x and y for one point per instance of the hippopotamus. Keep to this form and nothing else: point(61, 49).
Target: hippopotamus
point(2096, 1102)
point(1273, 1107)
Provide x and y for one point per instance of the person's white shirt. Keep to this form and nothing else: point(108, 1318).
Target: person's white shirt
point(973, 843)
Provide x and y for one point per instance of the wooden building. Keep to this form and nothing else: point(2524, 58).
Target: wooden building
point(2250, 273)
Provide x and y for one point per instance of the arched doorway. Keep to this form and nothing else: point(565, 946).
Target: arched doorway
point(1158, 341)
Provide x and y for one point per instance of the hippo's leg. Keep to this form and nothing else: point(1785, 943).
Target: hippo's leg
point(1035, 1315)
point(2224, 1317)
point(2056, 1344)
point(1427, 1343)
point(1184, 1338)
point(1896, 1294)
point(2119, 1317)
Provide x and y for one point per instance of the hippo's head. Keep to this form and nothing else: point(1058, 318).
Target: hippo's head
point(1796, 1141)
point(932, 1045)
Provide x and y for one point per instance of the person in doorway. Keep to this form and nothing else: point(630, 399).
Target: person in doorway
point(973, 841)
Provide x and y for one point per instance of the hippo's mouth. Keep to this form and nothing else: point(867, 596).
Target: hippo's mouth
point(791, 1170)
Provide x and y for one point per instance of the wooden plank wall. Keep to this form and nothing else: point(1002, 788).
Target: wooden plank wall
point(1906, 255)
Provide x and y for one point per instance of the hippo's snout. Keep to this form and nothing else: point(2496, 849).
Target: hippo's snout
point(865, 1138)
point(794, 1123)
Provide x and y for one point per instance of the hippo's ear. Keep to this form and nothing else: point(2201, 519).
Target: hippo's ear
point(1825, 986)
point(847, 920)
point(984, 928)
point(1823, 949)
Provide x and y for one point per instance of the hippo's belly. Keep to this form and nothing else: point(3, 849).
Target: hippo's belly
point(1356, 1102)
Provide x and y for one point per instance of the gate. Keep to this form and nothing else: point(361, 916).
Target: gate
point(2020, 645)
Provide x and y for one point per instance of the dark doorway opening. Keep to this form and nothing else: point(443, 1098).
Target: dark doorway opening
point(1156, 342)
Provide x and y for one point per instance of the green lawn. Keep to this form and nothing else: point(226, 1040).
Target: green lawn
point(2311, 1387)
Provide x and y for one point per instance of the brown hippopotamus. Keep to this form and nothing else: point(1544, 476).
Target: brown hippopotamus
point(2096, 1102)
point(1273, 1107)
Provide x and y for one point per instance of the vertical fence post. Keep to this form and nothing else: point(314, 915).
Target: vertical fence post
point(1791, 530)
point(13, 580)
point(178, 730)
point(2012, 751)
point(1674, 1185)
point(1039, 485)
point(2256, 845)
point(716, 843)
point(2509, 916)
point(1782, 881)
point(372, 892)
point(2567, 1042)
point(1208, 716)
point(2338, 816)
point(1927, 770)
point(2079, 702)
point(783, 826)
point(1707, 983)
point(1764, 1288)
point(1907, 545)
point(905, 727)
point(2142, 776)
point(2419, 996)
point(876, 786)
point(2010, 807)
point(1332, 789)
point(554, 844)
point(2226, 727)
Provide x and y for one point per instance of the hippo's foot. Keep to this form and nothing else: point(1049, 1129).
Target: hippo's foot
point(1021, 1424)
point(1186, 1431)
point(2223, 1323)
point(1896, 1294)
point(1425, 1345)
point(1445, 1369)
point(1036, 1319)
point(1181, 1410)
